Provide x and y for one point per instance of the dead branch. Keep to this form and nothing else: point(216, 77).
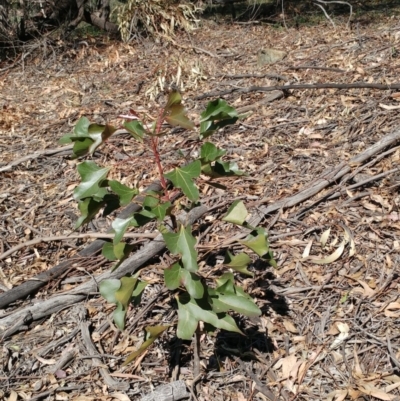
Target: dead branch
point(128, 266)
point(327, 85)
point(67, 237)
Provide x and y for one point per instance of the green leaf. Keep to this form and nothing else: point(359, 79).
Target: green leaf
point(108, 288)
point(257, 241)
point(124, 293)
point(174, 98)
point(99, 134)
point(182, 178)
point(151, 200)
point(141, 218)
point(218, 110)
point(81, 127)
point(137, 292)
point(92, 176)
point(175, 113)
point(224, 169)
point(124, 192)
point(269, 257)
point(120, 226)
point(236, 213)
point(226, 277)
point(187, 323)
point(226, 286)
point(224, 303)
point(66, 139)
point(161, 210)
point(158, 208)
point(88, 208)
point(119, 251)
point(218, 114)
point(220, 321)
point(183, 243)
point(81, 146)
point(238, 262)
point(209, 152)
point(119, 316)
point(172, 276)
point(177, 117)
point(192, 283)
point(87, 137)
point(152, 333)
point(136, 129)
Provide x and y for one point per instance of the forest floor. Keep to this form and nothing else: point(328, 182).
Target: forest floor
point(328, 331)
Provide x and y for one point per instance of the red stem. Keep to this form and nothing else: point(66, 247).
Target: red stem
point(156, 153)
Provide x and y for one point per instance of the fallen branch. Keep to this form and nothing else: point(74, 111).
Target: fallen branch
point(129, 266)
point(356, 85)
point(66, 237)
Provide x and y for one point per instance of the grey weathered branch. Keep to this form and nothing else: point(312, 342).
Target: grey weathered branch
point(131, 265)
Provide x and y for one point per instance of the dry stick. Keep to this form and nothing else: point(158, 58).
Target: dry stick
point(128, 266)
point(259, 385)
point(35, 155)
point(313, 67)
point(96, 360)
point(48, 152)
point(332, 175)
point(328, 85)
point(32, 285)
point(66, 237)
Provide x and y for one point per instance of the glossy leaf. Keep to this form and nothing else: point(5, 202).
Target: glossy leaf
point(172, 276)
point(183, 243)
point(236, 213)
point(99, 134)
point(218, 114)
point(123, 191)
point(81, 147)
point(218, 109)
point(174, 98)
point(141, 218)
point(87, 137)
point(177, 117)
point(81, 127)
point(220, 321)
point(187, 323)
point(136, 129)
point(224, 303)
point(159, 209)
point(119, 316)
point(152, 333)
point(88, 208)
point(118, 252)
point(120, 226)
point(130, 287)
point(226, 277)
point(175, 113)
point(257, 241)
point(108, 288)
point(224, 169)
point(124, 293)
point(92, 176)
point(209, 152)
point(183, 178)
point(238, 262)
point(192, 283)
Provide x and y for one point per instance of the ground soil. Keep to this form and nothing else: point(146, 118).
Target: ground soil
point(329, 330)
